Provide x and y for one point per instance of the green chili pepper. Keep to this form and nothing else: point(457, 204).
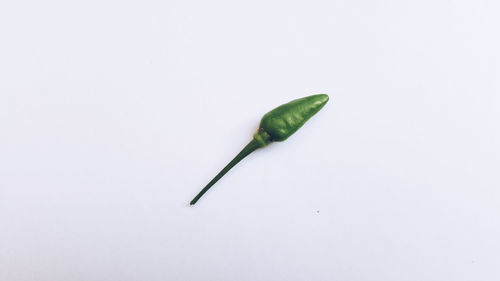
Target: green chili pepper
point(277, 125)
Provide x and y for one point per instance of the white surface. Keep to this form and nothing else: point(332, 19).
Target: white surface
point(114, 114)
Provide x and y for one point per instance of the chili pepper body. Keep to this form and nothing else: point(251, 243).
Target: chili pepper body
point(281, 122)
point(276, 125)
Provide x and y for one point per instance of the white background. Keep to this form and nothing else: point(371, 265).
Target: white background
point(114, 114)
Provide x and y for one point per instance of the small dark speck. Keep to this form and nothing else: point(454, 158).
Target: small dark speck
point(317, 212)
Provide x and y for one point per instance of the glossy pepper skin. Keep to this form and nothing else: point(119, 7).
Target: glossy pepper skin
point(276, 125)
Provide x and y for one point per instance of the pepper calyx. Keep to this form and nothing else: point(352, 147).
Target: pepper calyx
point(262, 137)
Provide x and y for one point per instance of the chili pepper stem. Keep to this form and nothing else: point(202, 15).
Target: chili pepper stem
point(249, 148)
